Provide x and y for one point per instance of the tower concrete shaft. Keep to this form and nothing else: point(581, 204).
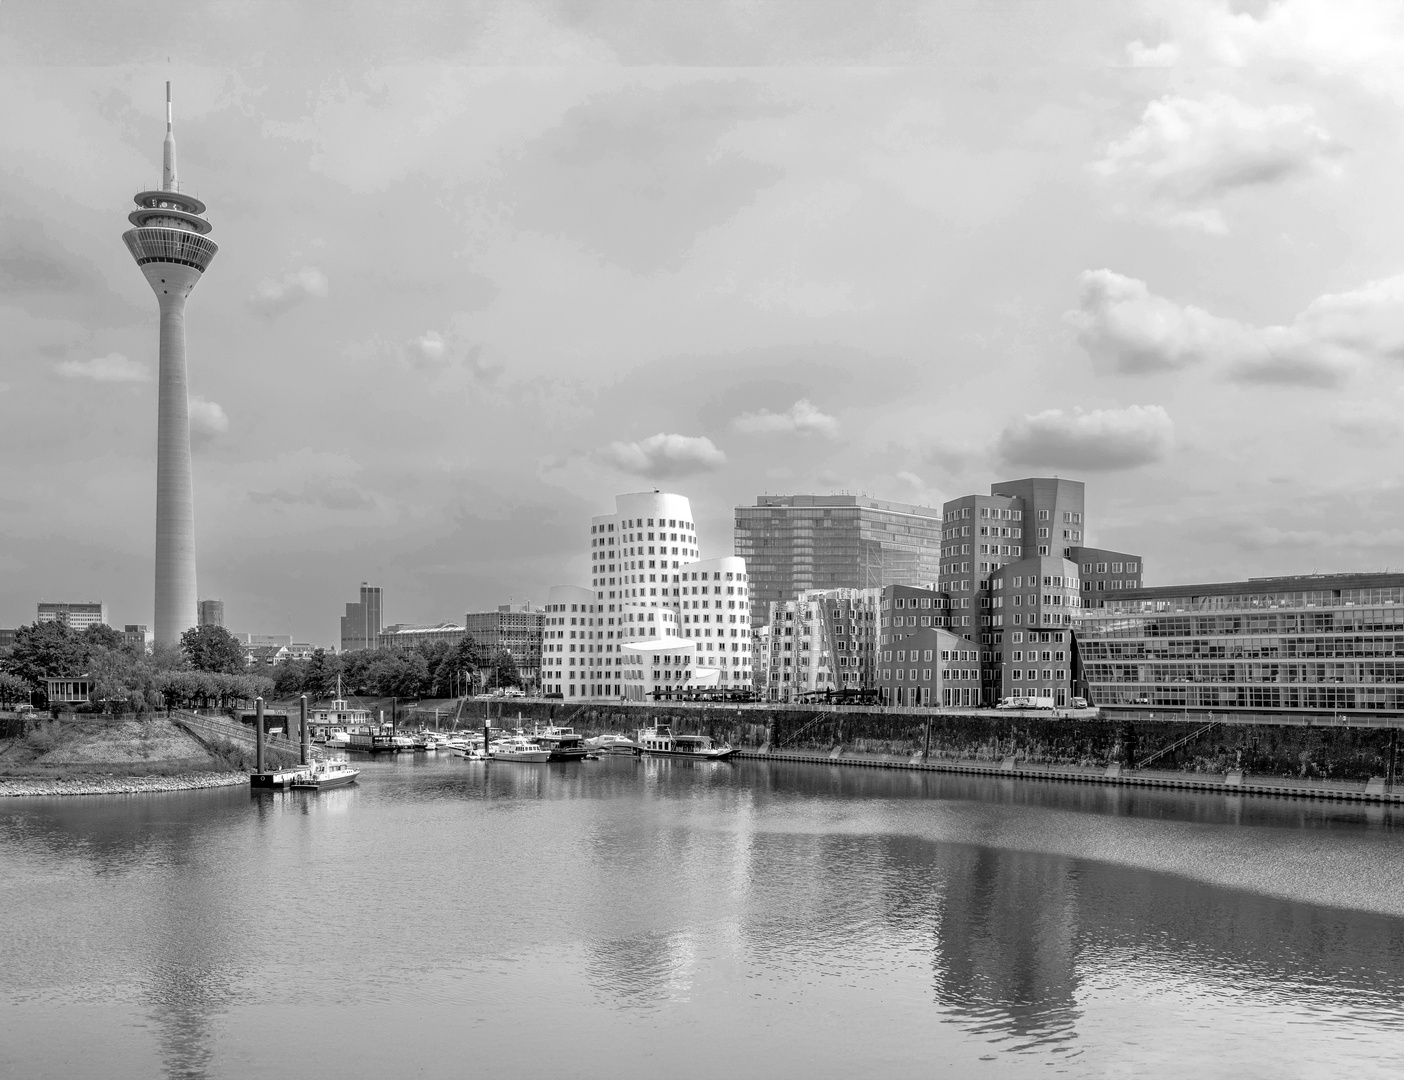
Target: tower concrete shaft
point(170, 245)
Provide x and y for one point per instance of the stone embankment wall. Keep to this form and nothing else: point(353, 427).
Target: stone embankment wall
point(1328, 752)
point(117, 785)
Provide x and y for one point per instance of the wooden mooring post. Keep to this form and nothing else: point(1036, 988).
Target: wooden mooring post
point(258, 734)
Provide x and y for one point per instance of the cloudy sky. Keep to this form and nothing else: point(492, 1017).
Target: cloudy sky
point(482, 266)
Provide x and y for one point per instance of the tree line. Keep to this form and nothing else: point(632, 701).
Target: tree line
point(205, 670)
point(435, 669)
point(208, 669)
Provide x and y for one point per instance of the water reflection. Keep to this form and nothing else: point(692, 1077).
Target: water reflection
point(800, 911)
point(1006, 947)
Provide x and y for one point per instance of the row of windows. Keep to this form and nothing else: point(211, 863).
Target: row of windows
point(640, 523)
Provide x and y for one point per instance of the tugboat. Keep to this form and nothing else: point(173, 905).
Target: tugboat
point(564, 743)
point(659, 741)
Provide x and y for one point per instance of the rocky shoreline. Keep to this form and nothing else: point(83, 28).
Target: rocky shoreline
point(117, 785)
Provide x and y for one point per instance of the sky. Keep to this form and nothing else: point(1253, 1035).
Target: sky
point(484, 266)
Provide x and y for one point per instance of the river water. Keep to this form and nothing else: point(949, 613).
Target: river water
point(673, 919)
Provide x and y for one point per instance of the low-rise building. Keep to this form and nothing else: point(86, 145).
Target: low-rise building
point(1315, 644)
point(930, 667)
point(416, 635)
point(76, 615)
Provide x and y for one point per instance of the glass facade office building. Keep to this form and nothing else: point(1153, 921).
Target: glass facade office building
point(1331, 643)
point(794, 543)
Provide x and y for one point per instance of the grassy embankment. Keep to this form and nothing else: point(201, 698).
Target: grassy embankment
point(80, 747)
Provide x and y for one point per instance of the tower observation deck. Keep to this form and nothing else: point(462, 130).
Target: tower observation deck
point(170, 242)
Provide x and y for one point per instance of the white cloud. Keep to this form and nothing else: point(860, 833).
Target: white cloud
point(800, 417)
point(1186, 153)
point(1103, 439)
point(275, 296)
point(1358, 40)
point(112, 368)
point(664, 456)
point(1166, 54)
point(207, 420)
point(1129, 329)
point(430, 347)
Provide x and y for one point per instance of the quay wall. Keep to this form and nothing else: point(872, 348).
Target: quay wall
point(1290, 749)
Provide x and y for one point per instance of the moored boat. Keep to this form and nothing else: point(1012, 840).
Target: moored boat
point(518, 748)
point(563, 743)
point(659, 741)
point(611, 744)
point(326, 774)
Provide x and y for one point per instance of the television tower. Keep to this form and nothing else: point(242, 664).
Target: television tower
point(170, 244)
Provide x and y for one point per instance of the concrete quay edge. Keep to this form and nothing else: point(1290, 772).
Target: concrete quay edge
point(999, 769)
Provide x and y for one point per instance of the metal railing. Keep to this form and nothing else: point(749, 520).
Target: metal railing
point(212, 727)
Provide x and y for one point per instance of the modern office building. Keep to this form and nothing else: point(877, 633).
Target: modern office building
point(170, 243)
point(824, 641)
point(933, 668)
point(211, 613)
point(514, 629)
point(1018, 571)
point(415, 635)
point(74, 615)
point(659, 620)
point(361, 625)
point(1314, 645)
point(799, 661)
point(795, 543)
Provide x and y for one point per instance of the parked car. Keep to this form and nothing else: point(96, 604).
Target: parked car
point(1079, 703)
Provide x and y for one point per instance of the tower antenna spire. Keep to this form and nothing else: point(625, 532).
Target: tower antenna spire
point(168, 151)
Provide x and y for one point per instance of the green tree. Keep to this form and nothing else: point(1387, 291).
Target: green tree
point(212, 648)
point(504, 670)
point(13, 689)
point(47, 650)
point(102, 636)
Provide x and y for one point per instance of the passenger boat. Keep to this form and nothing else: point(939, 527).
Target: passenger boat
point(563, 742)
point(660, 741)
point(325, 774)
point(339, 718)
point(518, 748)
point(612, 744)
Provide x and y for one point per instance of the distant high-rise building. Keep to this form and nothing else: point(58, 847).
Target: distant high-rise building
point(169, 242)
point(211, 613)
point(75, 616)
point(360, 626)
point(794, 543)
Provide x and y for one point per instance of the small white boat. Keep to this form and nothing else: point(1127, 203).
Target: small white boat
point(518, 748)
point(338, 738)
point(661, 742)
point(612, 744)
point(325, 774)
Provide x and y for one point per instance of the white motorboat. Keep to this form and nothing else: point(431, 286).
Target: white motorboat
point(337, 739)
point(612, 744)
point(518, 748)
point(660, 741)
point(325, 774)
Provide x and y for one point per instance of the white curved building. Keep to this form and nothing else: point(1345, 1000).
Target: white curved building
point(657, 619)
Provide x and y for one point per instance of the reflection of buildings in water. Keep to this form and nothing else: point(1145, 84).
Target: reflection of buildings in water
point(1006, 948)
